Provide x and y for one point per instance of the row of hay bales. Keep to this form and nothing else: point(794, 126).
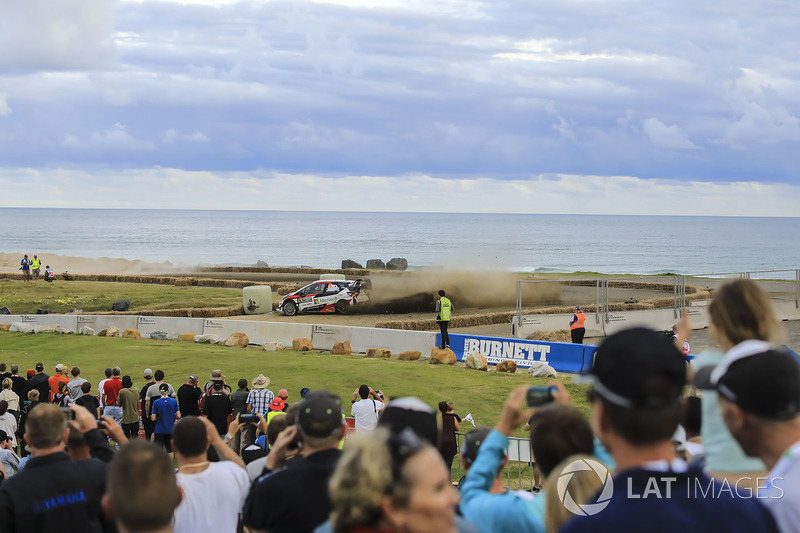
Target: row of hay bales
point(505, 317)
point(288, 270)
point(190, 312)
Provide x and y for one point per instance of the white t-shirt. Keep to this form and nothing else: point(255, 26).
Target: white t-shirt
point(366, 413)
point(782, 496)
point(101, 397)
point(212, 499)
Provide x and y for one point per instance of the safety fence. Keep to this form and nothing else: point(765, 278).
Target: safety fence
point(518, 473)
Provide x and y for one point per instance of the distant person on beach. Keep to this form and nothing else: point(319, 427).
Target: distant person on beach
point(444, 309)
point(577, 327)
point(36, 265)
point(25, 266)
point(49, 275)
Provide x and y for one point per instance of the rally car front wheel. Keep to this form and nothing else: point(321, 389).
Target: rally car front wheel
point(289, 308)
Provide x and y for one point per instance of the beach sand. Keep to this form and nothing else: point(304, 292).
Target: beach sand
point(9, 262)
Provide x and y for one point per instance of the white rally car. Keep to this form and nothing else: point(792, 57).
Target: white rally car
point(327, 296)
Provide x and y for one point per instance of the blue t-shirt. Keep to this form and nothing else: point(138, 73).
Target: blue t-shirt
point(165, 409)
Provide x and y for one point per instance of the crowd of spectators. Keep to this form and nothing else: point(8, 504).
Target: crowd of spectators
point(668, 446)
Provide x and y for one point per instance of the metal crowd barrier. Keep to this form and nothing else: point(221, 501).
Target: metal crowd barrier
point(519, 471)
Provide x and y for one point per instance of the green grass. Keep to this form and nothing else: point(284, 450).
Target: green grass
point(91, 296)
point(479, 393)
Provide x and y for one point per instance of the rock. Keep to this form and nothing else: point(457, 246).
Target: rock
point(397, 263)
point(121, 305)
point(5, 327)
point(302, 345)
point(85, 330)
point(379, 352)
point(111, 331)
point(375, 263)
point(274, 346)
point(186, 337)
point(75, 310)
point(208, 338)
point(409, 355)
point(443, 357)
point(349, 263)
point(47, 328)
point(476, 361)
point(159, 335)
point(21, 328)
point(342, 348)
point(507, 366)
point(262, 264)
point(540, 369)
point(42, 312)
point(237, 340)
point(5, 311)
point(131, 333)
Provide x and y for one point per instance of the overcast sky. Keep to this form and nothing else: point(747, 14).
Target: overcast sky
point(593, 106)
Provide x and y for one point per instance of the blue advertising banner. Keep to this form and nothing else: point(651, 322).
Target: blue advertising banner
point(563, 357)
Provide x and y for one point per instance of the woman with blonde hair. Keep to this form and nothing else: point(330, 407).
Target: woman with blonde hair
point(573, 489)
point(741, 320)
point(394, 483)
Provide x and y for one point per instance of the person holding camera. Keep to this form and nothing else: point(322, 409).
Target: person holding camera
point(367, 410)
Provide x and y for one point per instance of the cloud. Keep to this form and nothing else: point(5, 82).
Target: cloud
point(665, 136)
point(115, 138)
point(4, 107)
point(263, 189)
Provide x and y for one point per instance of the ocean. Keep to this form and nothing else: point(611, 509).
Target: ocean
point(535, 243)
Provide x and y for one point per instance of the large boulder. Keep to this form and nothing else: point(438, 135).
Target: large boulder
point(409, 355)
point(121, 305)
point(5, 311)
point(208, 338)
point(42, 311)
point(47, 328)
point(540, 369)
point(21, 327)
point(476, 361)
point(379, 353)
point(186, 337)
point(159, 335)
point(131, 333)
point(349, 263)
point(5, 327)
point(342, 348)
point(262, 264)
point(85, 330)
point(507, 366)
point(397, 263)
point(376, 263)
point(302, 345)
point(443, 357)
point(273, 346)
point(237, 340)
point(110, 331)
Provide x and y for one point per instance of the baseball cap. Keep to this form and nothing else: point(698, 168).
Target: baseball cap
point(472, 442)
point(639, 368)
point(163, 387)
point(319, 414)
point(706, 377)
point(766, 384)
point(39, 366)
point(4, 436)
point(147, 374)
point(411, 412)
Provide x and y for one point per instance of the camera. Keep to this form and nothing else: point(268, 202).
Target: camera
point(538, 396)
point(248, 418)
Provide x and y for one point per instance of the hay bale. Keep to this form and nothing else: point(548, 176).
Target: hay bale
point(342, 348)
point(410, 355)
point(183, 282)
point(302, 345)
point(186, 337)
point(5, 327)
point(379, 353)
point(560, 335)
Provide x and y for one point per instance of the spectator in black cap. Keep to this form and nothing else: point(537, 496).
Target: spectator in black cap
point(295, 498)
point(189, 397)
point(639, 376)
point(759, 395)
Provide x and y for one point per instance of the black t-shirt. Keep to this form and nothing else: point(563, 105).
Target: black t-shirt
point(40, 383)
point(90, 402)
point(20, 387)
point(143, 398)
point(188, 396)
point(3, 376)
point(217, 408)
point(279, 503)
